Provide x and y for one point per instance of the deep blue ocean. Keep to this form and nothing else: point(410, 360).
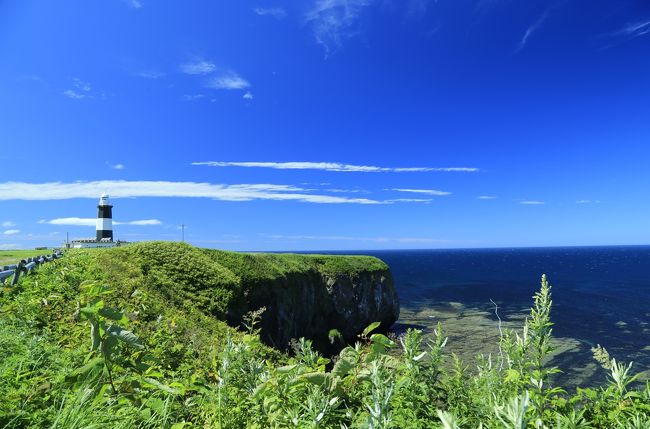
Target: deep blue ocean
point(601, 295)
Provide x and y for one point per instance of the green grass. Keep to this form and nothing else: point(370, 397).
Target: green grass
point(270, 266)
point(164, 358)
point(8, 257)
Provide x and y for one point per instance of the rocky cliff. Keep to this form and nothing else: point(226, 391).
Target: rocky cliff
point(309, 295)
point(311, 304)
point(304, 295)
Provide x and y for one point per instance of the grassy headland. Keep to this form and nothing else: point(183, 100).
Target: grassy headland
point(135, 337)
point(8, 257)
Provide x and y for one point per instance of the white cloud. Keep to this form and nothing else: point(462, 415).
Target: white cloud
point(636, 29)
point(188, 97)
point(348, 191)
point(7, 224)
point(118, 167)
point(248, 95)
point(151, 74)
point(531, 30)
point(11, 232)
point(74, 221)
point(77, 221)
point(74, 94)
point(135, 4)
point(332, 166)
point(144, 222)
point(230, 80)
point(424, 191)
point(588, 202)
point(444, 169)
point(275, 12)
point(127, 189)
point(8, 246)
point(200, 67)
point(409, 200)
point(333, 21)
point(79, 90)
point(532, 203)
point(486, 197)
point(80, 85)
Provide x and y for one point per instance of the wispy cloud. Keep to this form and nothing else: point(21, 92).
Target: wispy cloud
point(531, 30)
point(135, 4)
point(118, 167)
point(409, 200)
point(74, 221)
point(7, 224)
point(333, 166)
point(8, 246)
point(532, 202)
point(636, 29)
point(333, 21)
point(78, 221)
point(149, 74)
point(134, 189)
point(199, 67)
point(588, 202)
point(423, 191)
point(11, 232)
point(79, 90)
point(248, 95)
point(193, 97)
point(629, 31)
point(486, 197)
point(347, 191)
point(144, 222)
point(230, 80)
point(275, 12)
point(126, 189)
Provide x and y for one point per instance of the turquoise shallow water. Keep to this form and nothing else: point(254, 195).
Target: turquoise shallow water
point(601, 295)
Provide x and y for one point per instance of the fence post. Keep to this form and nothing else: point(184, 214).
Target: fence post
point(17, 271)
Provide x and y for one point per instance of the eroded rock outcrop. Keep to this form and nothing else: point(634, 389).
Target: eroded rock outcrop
point(310, 304)
point(304, 295)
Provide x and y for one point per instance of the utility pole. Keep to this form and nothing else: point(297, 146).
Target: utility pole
point(183, 233)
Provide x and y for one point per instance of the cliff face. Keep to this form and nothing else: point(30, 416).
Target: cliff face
point(304, 295)
point(311, 304)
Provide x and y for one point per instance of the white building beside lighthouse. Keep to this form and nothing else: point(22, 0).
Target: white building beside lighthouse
point(103, 229)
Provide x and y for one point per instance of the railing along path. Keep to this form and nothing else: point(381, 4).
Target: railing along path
point(26, 266)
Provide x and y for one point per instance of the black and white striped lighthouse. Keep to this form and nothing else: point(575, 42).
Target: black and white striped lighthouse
point(104, 219)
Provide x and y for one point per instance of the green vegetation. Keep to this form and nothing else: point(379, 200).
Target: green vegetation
point(8, 257)
point(269, 266)
point(128, 338)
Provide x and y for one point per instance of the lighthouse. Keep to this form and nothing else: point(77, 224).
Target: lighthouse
point(104, 219)
point(103, 230)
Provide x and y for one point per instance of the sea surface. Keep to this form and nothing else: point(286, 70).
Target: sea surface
point(601, 295)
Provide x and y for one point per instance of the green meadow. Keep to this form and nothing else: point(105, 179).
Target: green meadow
point(8, 257)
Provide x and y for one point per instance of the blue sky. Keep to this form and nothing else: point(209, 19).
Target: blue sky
point(327, 124)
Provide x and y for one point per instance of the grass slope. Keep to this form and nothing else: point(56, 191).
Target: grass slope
point(8, 257)
point(127, 338)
